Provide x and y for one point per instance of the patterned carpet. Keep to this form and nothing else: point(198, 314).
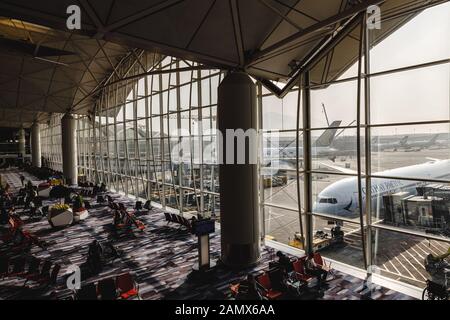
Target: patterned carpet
point(160, 259)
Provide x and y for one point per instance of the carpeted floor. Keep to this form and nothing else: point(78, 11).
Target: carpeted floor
point(160, 258)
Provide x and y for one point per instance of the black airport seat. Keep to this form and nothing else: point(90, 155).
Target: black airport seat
point(148, 205)
point(107, 289)
point(87, 292)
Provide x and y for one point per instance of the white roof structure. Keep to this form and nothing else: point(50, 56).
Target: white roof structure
point(271, 39)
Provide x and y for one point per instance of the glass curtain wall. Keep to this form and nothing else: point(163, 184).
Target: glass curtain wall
point(51, 143)
point(153, 137)
point(378, 175)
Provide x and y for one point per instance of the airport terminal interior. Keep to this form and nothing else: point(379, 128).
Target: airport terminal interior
point(227, 150)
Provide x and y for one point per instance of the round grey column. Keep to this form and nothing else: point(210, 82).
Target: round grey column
point(36, 145)
point(69, 149)
point(239, 217)
point(22, 139)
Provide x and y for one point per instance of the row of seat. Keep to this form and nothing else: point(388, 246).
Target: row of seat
point(42, 173)
point(18, 237)
point(31, 269)
point(299, 267)
point(175, 218)
point(146, 206)
point(265, 280)
point(24, 200)
point(118, 287)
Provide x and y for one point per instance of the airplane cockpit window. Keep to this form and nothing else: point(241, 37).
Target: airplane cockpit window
point(328, 200)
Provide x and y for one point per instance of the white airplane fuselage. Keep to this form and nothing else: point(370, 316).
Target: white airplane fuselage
point(341, 197)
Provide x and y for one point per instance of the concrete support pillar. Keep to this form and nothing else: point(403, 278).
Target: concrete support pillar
point(69, 149)
point(36, 145)
point(240, 235)
point(22, 149)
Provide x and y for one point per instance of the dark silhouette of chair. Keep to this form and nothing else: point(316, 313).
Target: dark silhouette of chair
point(44, 274)
point(53, 275)
point(45, 271)
point(18, 267)
point(87, 204)
point(138, 205)
point(4, 267)
point(87, 292)
point(107, 289)
point(148, 205)
point(186, 223)
point(33, 267)
point(174, 218)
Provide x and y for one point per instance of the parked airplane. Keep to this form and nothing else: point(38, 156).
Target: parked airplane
point(419, 145)
point(389, 145)
point(341, 197)
point(404, 145)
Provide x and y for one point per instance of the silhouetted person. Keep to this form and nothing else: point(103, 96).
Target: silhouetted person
point(22, 179)
point(284, 262)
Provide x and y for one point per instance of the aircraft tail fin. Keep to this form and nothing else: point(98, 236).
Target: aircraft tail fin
point(433, 139)
point(326, 139)
point(404, 140)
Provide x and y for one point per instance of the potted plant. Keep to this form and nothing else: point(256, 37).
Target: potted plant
point(60, 215)
point(44, 189)
point(79, 211)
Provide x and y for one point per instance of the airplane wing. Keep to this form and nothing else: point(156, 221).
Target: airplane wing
point(340, 169)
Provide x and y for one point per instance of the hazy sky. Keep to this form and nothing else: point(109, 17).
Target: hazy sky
point(416, 95)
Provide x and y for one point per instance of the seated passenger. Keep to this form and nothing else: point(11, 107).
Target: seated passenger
point(284, 262)
point(313, 269)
